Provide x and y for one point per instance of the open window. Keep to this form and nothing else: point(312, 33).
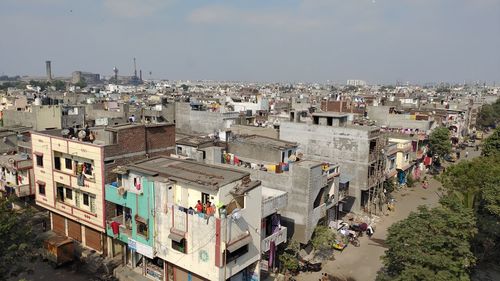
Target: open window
point(60, 193)
point(237, 247)
point(142, 226)
point(68, 163)
point(178, 241)
point(39, 160)
point(57, 163)
point(41, 188)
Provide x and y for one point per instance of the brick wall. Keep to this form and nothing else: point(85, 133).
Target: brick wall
point(133, 141)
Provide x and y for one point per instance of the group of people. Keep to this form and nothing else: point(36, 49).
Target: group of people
point(207, 210)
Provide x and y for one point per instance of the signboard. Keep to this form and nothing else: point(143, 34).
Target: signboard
point(140, 248)
point(264, 265)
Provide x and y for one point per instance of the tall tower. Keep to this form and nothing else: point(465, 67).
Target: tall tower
point(135, 69)
point(115, 70)
point(48, 70)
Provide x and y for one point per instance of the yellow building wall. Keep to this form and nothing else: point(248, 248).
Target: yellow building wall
point(47, 145)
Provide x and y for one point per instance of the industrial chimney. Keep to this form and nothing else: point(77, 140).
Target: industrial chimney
point(48, 69)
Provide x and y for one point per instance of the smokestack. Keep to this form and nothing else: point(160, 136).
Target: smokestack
point(48, 69)
point(140, 75)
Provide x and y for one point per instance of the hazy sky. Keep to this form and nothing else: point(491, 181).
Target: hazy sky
point(290, 40)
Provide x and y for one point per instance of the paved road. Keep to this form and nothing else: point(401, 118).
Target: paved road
point(363, 263)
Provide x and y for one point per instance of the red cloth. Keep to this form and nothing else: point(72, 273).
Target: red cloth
point(199, 208)
point(116, 227)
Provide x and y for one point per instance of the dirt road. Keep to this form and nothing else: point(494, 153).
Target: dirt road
point(363, 263)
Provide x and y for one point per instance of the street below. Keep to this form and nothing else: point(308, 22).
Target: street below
point(363, 263)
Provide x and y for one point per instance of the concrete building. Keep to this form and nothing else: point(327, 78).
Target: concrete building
point(71, 169)
point(386, 116)
point(189, 121)
point(357, 149)
point(16, 175)
point(46, 117)
point(312, 187)
point(87, 77)
point(192, 246)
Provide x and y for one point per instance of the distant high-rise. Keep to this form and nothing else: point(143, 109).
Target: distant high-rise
point(48, 69)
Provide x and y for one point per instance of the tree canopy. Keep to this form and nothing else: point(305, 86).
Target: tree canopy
point(491, 144)
point(431, 244)
point(439, 141)
point(489, 115)
point(17, 241)
point(322, 238)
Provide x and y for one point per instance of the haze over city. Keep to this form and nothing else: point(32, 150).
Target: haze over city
point(380, 41)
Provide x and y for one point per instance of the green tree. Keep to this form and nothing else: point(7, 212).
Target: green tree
point(439, 141)
point(475, 185)
point(322, 238)
point(431, 244)
point(59, 85)
point(486, 117)
point(289, 258)
point(17, 242)
point(82, 83)
point(491, 144)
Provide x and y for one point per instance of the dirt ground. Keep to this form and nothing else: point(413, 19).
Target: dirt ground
point(363, 263)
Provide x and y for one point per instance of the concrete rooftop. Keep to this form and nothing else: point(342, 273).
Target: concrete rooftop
point(199, 174)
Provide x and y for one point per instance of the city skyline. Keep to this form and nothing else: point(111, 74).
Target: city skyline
point(310, 40)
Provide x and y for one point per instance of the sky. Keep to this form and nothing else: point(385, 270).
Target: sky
point(379, 41)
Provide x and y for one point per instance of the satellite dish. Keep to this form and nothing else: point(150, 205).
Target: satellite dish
point(82, 134)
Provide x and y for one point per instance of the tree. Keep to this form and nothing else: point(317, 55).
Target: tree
point(17, 242)
point(489, 115)
point(486, 117)
point(322, 238)
point(59, 85)
point(289, 257)
point(439, 141)
point(82, 83)
point(431, 244)
point(491, 144)
point(475, 185)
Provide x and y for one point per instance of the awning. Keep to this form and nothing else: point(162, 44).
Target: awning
point(239, 242)
point(176, 235)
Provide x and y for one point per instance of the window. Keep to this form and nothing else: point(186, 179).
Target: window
point(142, 228)
point(68, 164)
point(39, 160)
point(205, 198)
point(107, 162)
point(57, 163)
point(60, 193)
point(407, 156)
point(87, 168)
point(69, 193)
point(231, 256)
point(179, 246)
point(41, 188)
point(86, 200)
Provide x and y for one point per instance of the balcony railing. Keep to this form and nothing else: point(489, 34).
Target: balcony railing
point(278, 238)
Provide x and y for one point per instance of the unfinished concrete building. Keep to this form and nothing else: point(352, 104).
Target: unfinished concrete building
point(357, 149)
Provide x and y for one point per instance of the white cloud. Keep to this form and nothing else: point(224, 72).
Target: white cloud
point(135, 8)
